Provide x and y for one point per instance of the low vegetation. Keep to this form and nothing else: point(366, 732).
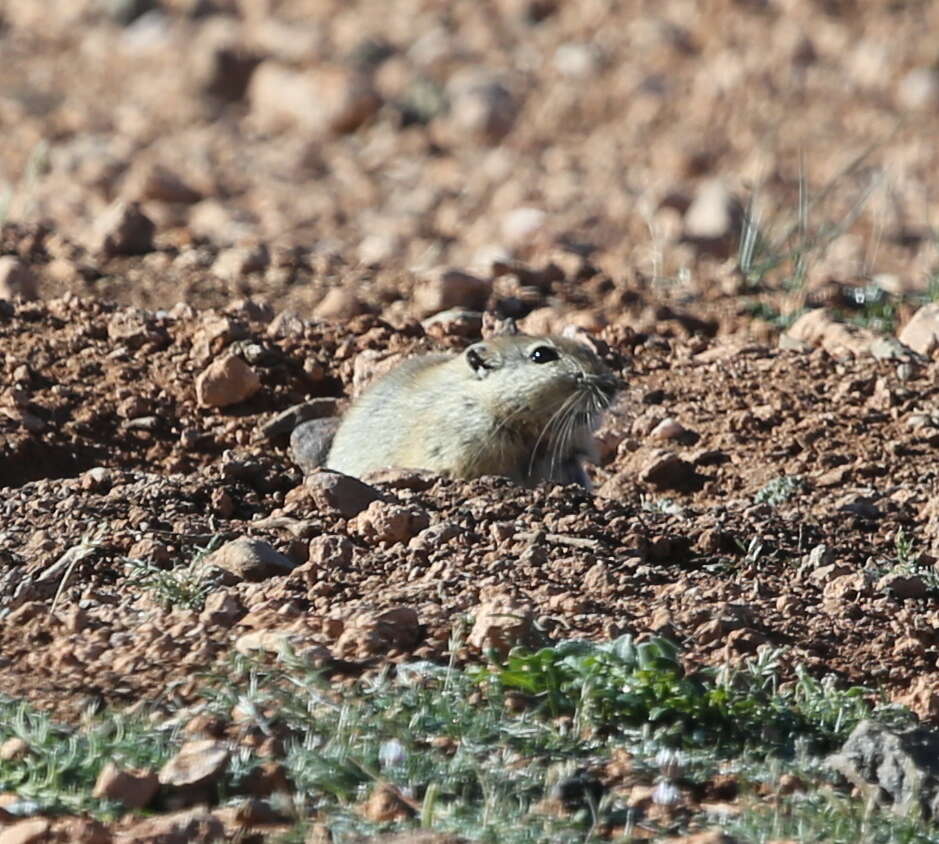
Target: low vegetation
point(575, 742)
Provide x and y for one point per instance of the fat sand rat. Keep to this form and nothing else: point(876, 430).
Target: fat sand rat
point(521, 406)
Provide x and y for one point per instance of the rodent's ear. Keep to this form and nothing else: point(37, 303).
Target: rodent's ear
point(507, 327)
point(482, 359)
point(495, 327)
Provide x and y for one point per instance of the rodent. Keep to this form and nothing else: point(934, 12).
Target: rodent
point(520, 406)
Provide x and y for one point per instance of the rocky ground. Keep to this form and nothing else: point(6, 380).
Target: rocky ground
point(222, 216)
point(733, 508)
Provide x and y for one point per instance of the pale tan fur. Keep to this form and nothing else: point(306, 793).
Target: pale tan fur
point(492, 410)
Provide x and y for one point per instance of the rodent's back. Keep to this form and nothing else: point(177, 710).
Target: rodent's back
point(373, 430)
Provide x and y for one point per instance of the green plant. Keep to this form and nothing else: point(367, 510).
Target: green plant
point(25, 188)
point(907, 562)
point(664, 506)
point(768, 313)
point(469, 765)
point(789, 243)
point(182, 586)
point(932, 288)
point(822, 814)
point(875, 309)
point(60, 766)
point(903, 546)
point(626, 685)
point(780, 490)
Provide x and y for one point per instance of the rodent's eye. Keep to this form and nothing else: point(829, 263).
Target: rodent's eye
point(543, 354)
point(475, 359)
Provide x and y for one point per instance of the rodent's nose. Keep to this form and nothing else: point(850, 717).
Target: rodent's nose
point(610, 385)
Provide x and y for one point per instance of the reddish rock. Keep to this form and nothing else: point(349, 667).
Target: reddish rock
point(919, 89)
point(155, 181)
point(389, 523)
point(522, 225)
point(923, 698)
point(713, 214)
point(502, 623)
point(921, 333)
point(150, 550)
point(189, 826)
point(206, 725)
point(221, 64)
point(27, 831)
point(330, 551)
point(282, 641)
point(446, 288)
point(335, 491)
point(666, 470)
point(122, 230)
point(133, 327)
point(825, 574)
point(132, 789)
point(249, 559)
point(743, 641)
point(80, 830)
point(846, 588)
point(711, 836)
point(819, 328)
point(454, 322)
point(339, 303)
point(13, 748)
point(197, 763)
point(222, 608)
point(322, 101)
point(385, 804)
point(903, 586)
point(482, 110)
point(370, 365)
point(237, 262)
point(370, 634)
point(266, 779)
point(226, 381)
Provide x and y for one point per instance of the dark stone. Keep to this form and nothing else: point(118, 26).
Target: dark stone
point(310, 442)
point(283, 423)
point(578, 791)
point(897, 767)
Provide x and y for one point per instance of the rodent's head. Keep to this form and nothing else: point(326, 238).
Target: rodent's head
point(552, 382)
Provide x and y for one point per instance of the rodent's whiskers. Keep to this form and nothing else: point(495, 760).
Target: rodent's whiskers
point(562, 442)
point(570, 402)
point(568, 429)
point(580, 411)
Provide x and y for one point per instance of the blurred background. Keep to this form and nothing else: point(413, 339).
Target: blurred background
point(335, 158)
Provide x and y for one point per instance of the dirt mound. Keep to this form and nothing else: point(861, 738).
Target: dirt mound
point(280, 196)
point(747, 496)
